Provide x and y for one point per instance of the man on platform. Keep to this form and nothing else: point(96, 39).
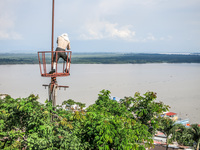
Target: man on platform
point(62, 43)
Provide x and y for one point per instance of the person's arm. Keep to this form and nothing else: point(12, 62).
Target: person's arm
point(68, 46)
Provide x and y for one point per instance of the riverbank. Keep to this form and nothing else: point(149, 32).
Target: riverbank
point(105, 58)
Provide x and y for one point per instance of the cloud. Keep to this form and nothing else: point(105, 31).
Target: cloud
point(106, 30)
point(120, 20)
point(7, 23)
point(131, 22)
point(98, 30)
point(167, 38)
point(150, 37)
point(8, 33)
point(7, 29)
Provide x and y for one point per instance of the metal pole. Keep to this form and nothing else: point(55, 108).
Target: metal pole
point(53, 83)
point(52, 36)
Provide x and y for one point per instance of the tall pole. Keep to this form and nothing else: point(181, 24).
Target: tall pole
point(52, 35)
point(53, 84)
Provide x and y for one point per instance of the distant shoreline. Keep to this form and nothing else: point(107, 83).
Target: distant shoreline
point(106, 58)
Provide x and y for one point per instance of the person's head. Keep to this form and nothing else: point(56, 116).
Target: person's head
point(65, 36)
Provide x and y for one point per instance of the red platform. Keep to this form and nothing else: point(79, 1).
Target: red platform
point(45, 58)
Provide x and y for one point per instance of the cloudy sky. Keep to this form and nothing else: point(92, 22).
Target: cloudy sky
point(101, 25)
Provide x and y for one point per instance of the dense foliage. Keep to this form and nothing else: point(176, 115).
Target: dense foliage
point(189, 136)
point(112, 125)
point(184, 136)
point(168, 127)
point(129, 124)
point(25, 123)
point(145, 109)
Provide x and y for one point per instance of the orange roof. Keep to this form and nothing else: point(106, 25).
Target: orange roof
point(170, 114)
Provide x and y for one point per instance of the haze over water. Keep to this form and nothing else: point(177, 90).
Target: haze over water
point(177, 85)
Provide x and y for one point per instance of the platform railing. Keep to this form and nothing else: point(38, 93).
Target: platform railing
point(45, 58)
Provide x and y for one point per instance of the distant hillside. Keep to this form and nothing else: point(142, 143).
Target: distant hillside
point(105, 58)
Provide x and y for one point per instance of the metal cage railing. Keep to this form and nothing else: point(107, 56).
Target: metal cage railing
point(46, 64)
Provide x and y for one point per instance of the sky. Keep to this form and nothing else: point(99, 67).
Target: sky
point(136, 26)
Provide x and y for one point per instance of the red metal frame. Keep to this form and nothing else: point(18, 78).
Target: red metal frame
point(43, 65)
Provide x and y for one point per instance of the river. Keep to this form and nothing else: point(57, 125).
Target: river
point(177, 85)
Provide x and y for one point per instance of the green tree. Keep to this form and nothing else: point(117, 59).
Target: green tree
point(69, 103)
point(183, 136)
point(109, 125)
point(189, 136)
point(26, 124)
point(81, 105)
point(195, 134)
point(169, 128)
point(145, 109)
